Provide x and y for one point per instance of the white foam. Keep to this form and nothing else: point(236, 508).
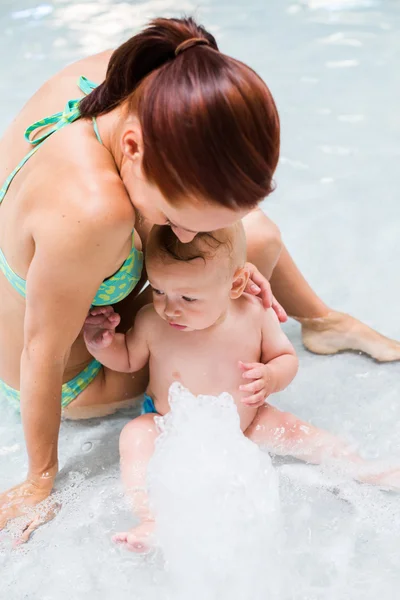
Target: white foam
point(215, 497)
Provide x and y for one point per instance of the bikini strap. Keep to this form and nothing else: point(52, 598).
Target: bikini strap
point(58, 121)
point(87, 86)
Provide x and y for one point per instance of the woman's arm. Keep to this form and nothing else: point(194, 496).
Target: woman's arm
point(69, 264)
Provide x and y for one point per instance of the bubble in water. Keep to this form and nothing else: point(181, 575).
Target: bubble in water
point(215, 497)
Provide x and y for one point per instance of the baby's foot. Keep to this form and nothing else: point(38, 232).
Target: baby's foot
point(140, 539)
point(380, 474)
point(338, 331)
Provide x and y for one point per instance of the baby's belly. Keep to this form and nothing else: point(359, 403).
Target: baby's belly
point(201, 378)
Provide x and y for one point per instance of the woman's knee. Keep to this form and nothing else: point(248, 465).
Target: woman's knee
point(264, 240)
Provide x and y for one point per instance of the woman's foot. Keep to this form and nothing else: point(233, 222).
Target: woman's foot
point(338, 331)
point(140, 539)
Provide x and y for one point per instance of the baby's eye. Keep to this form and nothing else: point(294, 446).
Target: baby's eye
point(186, 299)
point(158, 292)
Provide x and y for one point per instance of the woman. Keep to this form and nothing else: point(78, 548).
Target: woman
point(177, 133)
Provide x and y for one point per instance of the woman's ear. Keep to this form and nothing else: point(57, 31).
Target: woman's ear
point(240, 279)
point(132, 141)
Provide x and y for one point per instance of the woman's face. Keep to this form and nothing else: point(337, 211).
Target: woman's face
point(187, 219)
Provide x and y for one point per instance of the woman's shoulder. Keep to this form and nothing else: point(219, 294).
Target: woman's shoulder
point(93, 198)
point(93, 67)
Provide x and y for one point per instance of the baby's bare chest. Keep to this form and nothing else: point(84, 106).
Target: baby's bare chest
point(204, 363)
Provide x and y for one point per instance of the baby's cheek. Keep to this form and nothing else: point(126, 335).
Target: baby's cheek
point(158, 305)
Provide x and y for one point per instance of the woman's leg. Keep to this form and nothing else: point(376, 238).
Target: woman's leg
point(324, 331)
point(108, 392)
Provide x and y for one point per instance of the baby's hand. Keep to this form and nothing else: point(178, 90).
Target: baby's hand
point(99, 327)
point(261, 386)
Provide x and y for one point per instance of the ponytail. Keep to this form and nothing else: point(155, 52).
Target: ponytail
point(210, 125)
point(142, 54)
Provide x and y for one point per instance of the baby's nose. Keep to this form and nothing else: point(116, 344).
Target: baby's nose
point(171, 310)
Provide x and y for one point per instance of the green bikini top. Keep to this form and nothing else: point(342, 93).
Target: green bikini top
point(117, 287)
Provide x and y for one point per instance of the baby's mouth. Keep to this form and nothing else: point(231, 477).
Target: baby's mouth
point(176, 325)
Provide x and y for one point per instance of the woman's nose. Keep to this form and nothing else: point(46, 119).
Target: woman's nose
point(183, 236)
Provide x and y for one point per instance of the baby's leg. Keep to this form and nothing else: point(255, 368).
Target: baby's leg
point(284, 434)
point(136, 448)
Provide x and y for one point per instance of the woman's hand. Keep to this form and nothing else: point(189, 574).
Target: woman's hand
point(24, 500)
point(259, 286)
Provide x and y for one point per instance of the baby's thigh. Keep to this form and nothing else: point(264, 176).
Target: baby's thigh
point(137, 439)
point(268, 425)
point(247, 415)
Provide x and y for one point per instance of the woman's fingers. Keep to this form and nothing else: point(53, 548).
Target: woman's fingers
point(45, 515)
point(258, 285)
point(27, 532)
point(279, 310)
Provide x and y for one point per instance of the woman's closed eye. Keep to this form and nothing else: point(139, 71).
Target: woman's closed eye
point(186, 299)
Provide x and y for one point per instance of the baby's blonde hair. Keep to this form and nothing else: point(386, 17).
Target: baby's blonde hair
point(164, 244)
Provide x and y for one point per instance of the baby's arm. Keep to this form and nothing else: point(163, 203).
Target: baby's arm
point(117, 351)
point(278, 364)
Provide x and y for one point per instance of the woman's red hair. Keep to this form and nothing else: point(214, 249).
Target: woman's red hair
point(209, 123)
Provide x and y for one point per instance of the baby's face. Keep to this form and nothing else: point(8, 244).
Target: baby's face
point(190, 295)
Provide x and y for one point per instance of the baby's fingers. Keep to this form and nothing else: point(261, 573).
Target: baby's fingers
point(256, 400)
point(253, 387)
point(101, 310)
point(96, 320)
point(254, 373)
point(247, 366)
point(106, 339)
point(102, 339)
point(114, 319)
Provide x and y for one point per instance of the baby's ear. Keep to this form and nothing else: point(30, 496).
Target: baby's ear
point(239, 282)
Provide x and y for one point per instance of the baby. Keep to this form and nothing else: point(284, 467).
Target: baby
point(204, 331)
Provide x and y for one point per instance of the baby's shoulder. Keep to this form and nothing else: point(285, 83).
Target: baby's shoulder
point(251, 305)
point(253, 308)
point(249, 309)
point(147, 314)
